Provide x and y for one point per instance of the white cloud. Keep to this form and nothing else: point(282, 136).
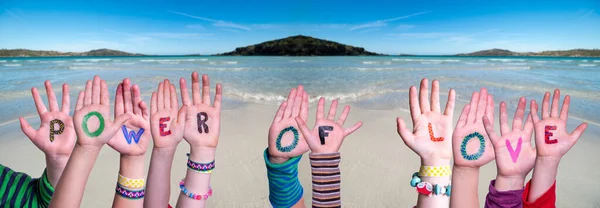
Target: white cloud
point(197, 27)
point(177, 35)
point(405, 27)
point(216, 23)
point(230, 30)
point(369, 30)
point(587, 14)
point(382, 23)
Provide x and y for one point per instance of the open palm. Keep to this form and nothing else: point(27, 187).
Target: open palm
point(167, 120)
point(202, 122)
point(128, 100)
point(285, 126)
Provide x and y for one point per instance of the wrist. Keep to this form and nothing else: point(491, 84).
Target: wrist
point(202, 154)
point(507, 183)
point(132, 166)
point(547, 160)
point(434, 162)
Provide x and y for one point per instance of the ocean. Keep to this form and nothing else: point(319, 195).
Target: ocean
point(371, 83)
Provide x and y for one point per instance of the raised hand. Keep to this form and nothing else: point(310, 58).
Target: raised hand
point(92, 115)
point(327, 135)
point(167, 121)
point(203, 120)
point(133, 138)
point(285, 140)
point(432, 130)
point(515, 156)
point(471, 144)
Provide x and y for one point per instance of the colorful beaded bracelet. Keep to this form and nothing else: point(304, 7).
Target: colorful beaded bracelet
point(129, 194)
point(192, 195)
point(200, 167)
point(131, 184)
point(427, 188)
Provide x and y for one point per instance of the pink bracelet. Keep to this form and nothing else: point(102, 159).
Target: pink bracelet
point(192, 195)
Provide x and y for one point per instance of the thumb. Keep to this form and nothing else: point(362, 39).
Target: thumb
point(489, 128)
point(118, 123)
point(578, 131)
point(404, 133)
point(181, 115)
point(29, 131)
point(305, 132)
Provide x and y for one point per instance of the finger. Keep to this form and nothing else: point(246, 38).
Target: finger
point(555, 100)
point(528, 129)
point(39, 103)
point(153, 103)
point(321, 108)
point(489, 111)
point(306, 132)
point(161, 95)
point(473, 106)
point(482, 104)
point(80, 101)
point(181, 115)
point(489, 128)
point(423, 91)
point(185, 97)
point(218, 96)
point(564, 111)
point(519, 114)
point(87, 100)
point(450, 104)
point(96, 90)
point(290, 100)
point(342, 118)
point(119, 108)
point(205, 89)
point(462, 120)
point(435, 96)
point(576, 134)
point(196, 89)
point(52, 103)
point(137, 100)
point(144, 110)
point(332, 110)
point(533, 107)
point(404, 133)
point(504, 119)
point(117, 123)
point(127, 99)
point(298, 101)
point(66, 99)
point(353, 128)
point(413, 100)
point(279, 114)
point(29, 131)
point(104, 97)
point(174, 102)
point(167, 93)
point(545, 107)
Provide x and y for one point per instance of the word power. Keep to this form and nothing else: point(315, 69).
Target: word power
point(202, 122)
point(162, 125)
point(290, 147)
point(463, 146)
point(100, 128)
point(514, 154)
point(433, 138)
point(323, 133)
point(53, 131)
point(548, 134)
point(132, 135)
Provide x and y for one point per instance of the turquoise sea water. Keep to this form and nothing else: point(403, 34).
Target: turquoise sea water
point(376, 83)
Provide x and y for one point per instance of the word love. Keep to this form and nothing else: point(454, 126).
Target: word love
point(132, 135)
point(323, 133)
point(548, 134)
point(85, 125)
point(162, 126)
point(53, 131)
point(463, 146)
point(202, 122)
point(514, 154)
point(433, 138)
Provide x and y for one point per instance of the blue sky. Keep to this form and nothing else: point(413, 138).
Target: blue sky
point(392, 27)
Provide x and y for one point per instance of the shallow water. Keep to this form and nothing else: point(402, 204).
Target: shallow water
point(377, 83)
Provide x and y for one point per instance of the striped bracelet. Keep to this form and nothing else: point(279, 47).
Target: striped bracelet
point(129, 194)
point(131, 184)
point(200, 167)
point(192, 195)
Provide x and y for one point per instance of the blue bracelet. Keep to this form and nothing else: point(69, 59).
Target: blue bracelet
point(192, 195)
point(427, 188)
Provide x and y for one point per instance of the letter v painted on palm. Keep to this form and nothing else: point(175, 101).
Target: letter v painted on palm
point(132, 135)
point(514, 154)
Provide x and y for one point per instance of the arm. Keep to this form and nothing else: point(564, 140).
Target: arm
point(20, 190)
point(93, 131)
point(167, 125)
point(430, 138)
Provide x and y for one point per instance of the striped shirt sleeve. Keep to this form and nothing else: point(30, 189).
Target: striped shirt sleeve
point(20, 190)
point(326, 179)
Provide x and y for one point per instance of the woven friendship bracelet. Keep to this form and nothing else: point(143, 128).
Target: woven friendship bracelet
point(284, 187)
point(129, 194)
point(200, 167)
point(326, 179)
point(429, 189)
point(131, 184)
point(435, 171)
point(192, 195)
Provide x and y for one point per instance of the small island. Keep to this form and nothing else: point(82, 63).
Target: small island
point(34, 53)
point(565, 53)
point(299, 45)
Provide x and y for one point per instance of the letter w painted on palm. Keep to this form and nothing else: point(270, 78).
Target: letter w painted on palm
point(132, 135)
point(514, 154)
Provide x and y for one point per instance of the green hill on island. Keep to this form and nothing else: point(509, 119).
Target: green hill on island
point(299, 46)
point(565, 53)
point(34, 53)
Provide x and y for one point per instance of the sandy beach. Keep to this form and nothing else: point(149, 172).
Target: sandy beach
point(376, 165)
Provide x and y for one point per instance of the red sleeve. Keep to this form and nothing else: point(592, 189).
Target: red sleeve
point(547, 200)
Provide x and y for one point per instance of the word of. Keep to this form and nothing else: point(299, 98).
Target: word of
point(162, 125)
point(323, 133)
point(433, 138)
point(202, 122)
point(514, 154)
point(60, 130)
point(548, 134)
point(463, 146)
point(290, 147)
point(132, 134)
point(100, 128)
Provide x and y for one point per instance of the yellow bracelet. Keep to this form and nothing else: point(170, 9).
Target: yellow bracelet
point(435, 171)
point(131, 183)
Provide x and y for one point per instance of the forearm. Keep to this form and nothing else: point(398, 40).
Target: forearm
point(55, 165)
point(544, 175)
point(434, 200)
point(465, 181)
point(197, 182)
point(285, 189)
point(69, 190)
point(158, 187)
point(326, 179)
point(131, 167)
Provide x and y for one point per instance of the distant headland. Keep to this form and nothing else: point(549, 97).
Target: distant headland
point(34, 53)
point(564, 53)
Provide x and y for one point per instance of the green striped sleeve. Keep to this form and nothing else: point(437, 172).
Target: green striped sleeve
point(20, 190)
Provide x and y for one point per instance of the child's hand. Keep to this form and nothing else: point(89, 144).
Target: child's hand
point(133, 138)
point(515, 156)
point(92, 115)
point(551, 137)
point(327, 135)
point(432, 130)
point(56, 135)
point(285, 129)
point(202, 122)
point(167, 121)
point(470, 142)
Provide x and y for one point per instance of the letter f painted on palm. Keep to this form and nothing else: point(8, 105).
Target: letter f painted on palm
point(132, 135)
